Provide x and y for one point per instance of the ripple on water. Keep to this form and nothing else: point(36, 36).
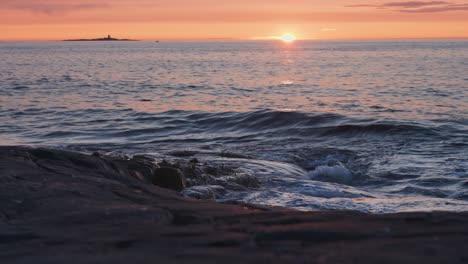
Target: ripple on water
point(326, 130)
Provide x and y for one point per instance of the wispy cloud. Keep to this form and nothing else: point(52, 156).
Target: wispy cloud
point(417, 6)
point(49, 7)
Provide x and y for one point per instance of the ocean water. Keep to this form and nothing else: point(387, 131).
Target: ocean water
point(377, 127)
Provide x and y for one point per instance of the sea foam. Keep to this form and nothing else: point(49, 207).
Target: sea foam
point(336, 173)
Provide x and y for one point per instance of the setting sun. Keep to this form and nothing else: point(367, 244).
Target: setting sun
point(288, 38)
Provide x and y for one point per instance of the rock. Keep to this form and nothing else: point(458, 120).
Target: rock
point(212, 170)
point(143, 157)
point(183, 153)
point(45, 154)
point(170, 178)
point(142, 169)
point(165, 163)
point(52, 202)
point(192, 171)
point(245, 180)
point(234, 155)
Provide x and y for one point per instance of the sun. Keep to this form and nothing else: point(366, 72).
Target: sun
point(288, 38)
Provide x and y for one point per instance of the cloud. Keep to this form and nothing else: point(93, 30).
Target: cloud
point(438, 9)
point(49, 7)
point(328, 29)
point(417, 6)
point(58, 8)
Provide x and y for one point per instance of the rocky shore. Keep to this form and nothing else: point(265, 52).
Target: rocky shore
point(65, 207)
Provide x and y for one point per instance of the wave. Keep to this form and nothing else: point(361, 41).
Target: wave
point(302, 160)
point(263, 124)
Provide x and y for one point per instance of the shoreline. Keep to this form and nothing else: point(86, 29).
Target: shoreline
point(60, 206)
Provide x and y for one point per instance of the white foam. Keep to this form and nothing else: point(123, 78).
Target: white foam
point(206, 192)
point(337, 173)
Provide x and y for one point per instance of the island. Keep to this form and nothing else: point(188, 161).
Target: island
point(108, 38)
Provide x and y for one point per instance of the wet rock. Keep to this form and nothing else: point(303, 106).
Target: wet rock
point(164, 163)
point(142, 169)
point(212, 170)
point(116, 156)
point(23, 154)
point(58, 201)
point(170, 178)
point(143, 157)
point(183, 153)
point(189, 169)
point(45, 154)
point(244, 180)
point(234, 155)
point(202, 179)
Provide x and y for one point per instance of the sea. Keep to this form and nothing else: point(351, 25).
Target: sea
point(370, 126)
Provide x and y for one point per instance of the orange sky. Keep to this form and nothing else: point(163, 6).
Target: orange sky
point(236, 19)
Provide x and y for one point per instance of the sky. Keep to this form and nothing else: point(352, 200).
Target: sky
point(232, 19)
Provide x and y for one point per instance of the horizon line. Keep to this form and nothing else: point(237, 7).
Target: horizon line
point(253, 39)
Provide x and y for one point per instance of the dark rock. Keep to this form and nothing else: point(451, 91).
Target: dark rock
point(11, 238)
point(142, 169)
point(54, 210)
point(170, 178)
point(183, 153)
point(234, 155)
point(212, 170)
point(45, 154)
point(165, 164)
point(143, 157)
point(84, 161)
point(192, 171)
point(245, 180)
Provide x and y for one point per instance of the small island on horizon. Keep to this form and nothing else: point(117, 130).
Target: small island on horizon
point(108, 38)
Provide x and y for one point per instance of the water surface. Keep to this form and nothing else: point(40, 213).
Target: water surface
point(370, 126)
